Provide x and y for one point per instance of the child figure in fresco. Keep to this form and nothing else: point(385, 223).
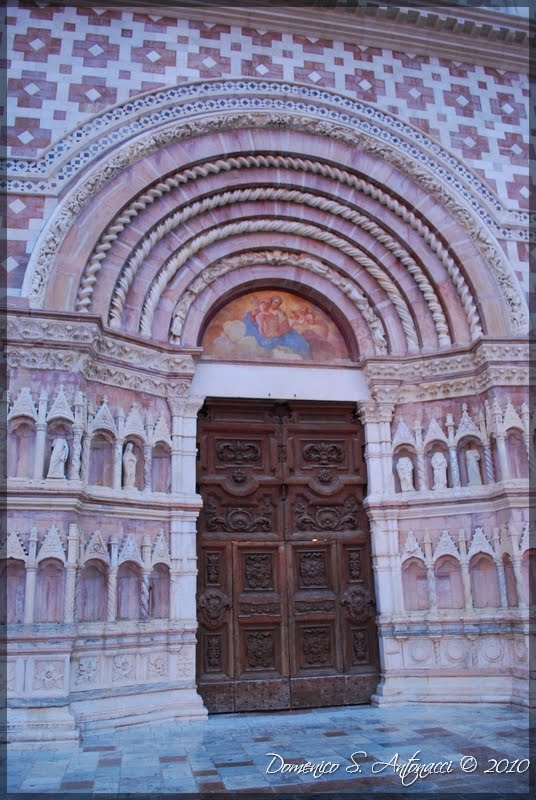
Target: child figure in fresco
point(268, 323)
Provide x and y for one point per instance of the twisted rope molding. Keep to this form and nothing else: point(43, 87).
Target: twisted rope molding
point(52, 237)
point(112, 233)
point(173, 264)
point(173, 221)
point(226, 265)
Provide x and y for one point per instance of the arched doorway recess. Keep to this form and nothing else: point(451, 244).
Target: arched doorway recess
point(146, 241)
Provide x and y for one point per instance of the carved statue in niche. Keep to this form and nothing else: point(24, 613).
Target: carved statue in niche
point(404, 468)
point(129, 467)
point(439, 466)
point(474, 478)
point(60, 451)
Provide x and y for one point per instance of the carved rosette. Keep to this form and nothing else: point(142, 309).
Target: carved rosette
point(260, 649)
point(212, 606)
point(360, 603)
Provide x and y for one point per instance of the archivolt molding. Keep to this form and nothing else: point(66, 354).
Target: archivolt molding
point(173, 264)
point(458, 205)
point(280, 258)
point(182, 177)
point(306, 198)
point(198, 99)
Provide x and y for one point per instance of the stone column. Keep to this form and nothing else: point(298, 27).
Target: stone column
point(385, 415)
point(502, 458)
point(145, 579)
point(386, 565)
point(466, 577)
point(118, 463)
point(111, 600)
point(369, 415)
point(419, 449)
point(31, 569)
point(183, 568)
point(501, 576)
point(41, 436)
point(488, 458)
point(147, 468)
point(86, 455)
point(432, 594)
point(78, 429)
point(70, 568)
point(453, 454)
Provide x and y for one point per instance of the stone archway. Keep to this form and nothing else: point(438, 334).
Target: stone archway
point(147, 237)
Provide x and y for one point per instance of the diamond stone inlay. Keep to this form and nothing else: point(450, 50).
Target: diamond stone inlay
point(31, 89)
point(153, 56)
point(95, 49)
point(25, 137)
point(17, 206)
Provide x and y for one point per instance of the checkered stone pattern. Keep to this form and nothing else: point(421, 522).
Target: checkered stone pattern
point(67, 64)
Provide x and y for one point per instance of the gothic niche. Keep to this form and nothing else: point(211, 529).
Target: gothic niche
point(128, 591)
point(448, 580)
point(132, 474)
point(471, 462)
point(405, 469)
point(518, 463)
point(161, 468)
point(159, 592)
point(437, 466)
point(415, 585)
point(13, 579)
point(101, 460)
point(92, 591)
point(49, 591)
point(484, 582)
point(21, 448)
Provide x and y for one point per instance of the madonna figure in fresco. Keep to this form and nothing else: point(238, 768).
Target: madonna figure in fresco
point(270, 326)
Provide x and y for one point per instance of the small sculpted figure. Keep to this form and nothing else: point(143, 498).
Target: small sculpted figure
point(439, 466)
point(404, 469)
point(60, 451)
point(129, 467)
point(474, 478)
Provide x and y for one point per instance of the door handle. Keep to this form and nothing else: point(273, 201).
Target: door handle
point(283, 491)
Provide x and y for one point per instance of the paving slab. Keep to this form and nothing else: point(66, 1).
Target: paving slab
point(449, 747)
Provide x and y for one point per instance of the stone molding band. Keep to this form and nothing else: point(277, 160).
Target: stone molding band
point(176, 219)
point(52, 237)
point(315, 167)
point(173, 264)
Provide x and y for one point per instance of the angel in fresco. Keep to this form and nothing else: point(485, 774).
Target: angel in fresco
point(268, 323)
point(315, 331)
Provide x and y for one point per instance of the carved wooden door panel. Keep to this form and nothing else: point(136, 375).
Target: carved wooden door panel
point(285, 592)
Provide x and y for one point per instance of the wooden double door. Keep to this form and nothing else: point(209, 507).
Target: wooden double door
point(285, 594)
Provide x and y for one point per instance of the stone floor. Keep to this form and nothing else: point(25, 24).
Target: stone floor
point(228, 754)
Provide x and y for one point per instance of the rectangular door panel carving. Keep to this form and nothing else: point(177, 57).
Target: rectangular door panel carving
point(285, 586)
